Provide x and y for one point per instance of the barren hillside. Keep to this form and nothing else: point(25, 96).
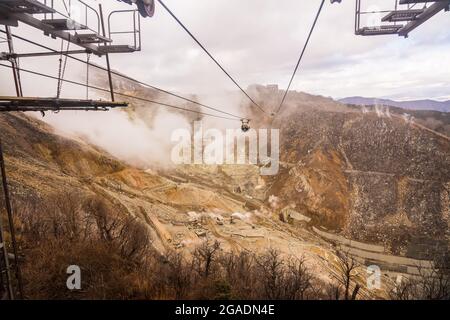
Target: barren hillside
point(345, 175)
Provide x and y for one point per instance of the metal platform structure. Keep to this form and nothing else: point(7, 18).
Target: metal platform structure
point(83, 26)
point(404, 17)
point(56, 105)
point(89, 33)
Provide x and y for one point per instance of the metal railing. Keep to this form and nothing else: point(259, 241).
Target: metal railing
point(398, 6)
point(376, 14)
point(76, 10)
point(136, 32)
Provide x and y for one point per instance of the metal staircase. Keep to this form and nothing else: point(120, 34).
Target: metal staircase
point(10, 276)
point(403, 18)
point(48, 17)
point(73, 21)
point(76, 22)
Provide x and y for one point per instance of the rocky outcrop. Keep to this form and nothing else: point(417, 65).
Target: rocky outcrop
point(374, 176)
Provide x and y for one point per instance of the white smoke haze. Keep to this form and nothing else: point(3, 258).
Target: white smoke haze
point(246, 217)
point(260, 50)
point(193, 215)
point(130, 140)
point(274, 201)
point(191, 242)
point(141, 137)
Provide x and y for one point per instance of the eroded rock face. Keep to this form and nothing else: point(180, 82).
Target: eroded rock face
point(375, 177)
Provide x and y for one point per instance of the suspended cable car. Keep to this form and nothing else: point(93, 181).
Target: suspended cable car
point(245, 125)
point(145, 7)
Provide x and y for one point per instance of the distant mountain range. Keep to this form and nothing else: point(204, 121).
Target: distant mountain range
point(443, 106)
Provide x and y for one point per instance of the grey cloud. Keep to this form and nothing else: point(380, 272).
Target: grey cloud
point(259, 41)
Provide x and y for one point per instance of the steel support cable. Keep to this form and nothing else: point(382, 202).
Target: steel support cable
point(59, 69)
point(129, 78)
point(12, 229)
point(120, 94)
point(301, 55)
point(88, 58)
point(65, 6)
point(210, 55)
point(62, 68)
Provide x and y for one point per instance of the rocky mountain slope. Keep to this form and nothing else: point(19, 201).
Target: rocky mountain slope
point(180, 209)
point(442, 106)
point(378, 174)
point(370, 176)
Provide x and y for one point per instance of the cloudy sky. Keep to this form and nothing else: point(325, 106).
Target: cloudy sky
point(259, 41)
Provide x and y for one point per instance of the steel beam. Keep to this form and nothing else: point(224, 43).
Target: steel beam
point(6, 281)
point(419, 1)
point(49, 30)
point(379, 30)
point(111, 87)
point(425, 16)
point(7, 56)
point(16, 74)
point(26, 6)
point(8, 103)
point(402, 15)
point(11, 224)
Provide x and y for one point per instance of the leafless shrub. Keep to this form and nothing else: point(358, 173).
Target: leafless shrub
point(298, 279)
point(271, 266)
point(106, 220)
point(177, 275)
point(239, 271)
point(118, 261)
point(430, 284)
point(346, 265)
point(133, 239)
point(205, 257)
point(70, 228)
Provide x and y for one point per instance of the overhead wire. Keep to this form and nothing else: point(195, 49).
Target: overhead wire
point(127, 77)
point(119, 93)
point(62, 68)
point(301, 55)
point(210, 55)
point(88, 58)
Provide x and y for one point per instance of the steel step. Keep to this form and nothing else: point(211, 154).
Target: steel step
point(429, 12)
point(403, 15)
point(379, 30)
point(64, 24)
point(91, 38)
point(419, 1)
point(116, 49)
point(25, 6)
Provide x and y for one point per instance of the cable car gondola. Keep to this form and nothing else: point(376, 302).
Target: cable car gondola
point(245, 125)
point(145, 7)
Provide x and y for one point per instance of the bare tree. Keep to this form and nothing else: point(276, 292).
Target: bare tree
point(430, 284)
point(133, 238)
point(106, 220)
point(205, 257)
point(298, 279)
point(178, 275)
point(238, 269)
point(346, 272)
point(271, 267)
